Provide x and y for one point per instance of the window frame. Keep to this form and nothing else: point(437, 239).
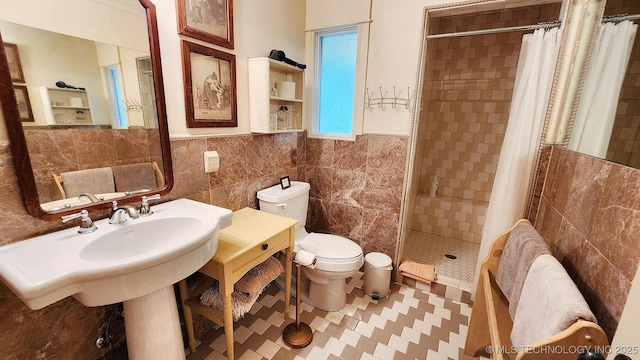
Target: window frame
point(313, 80)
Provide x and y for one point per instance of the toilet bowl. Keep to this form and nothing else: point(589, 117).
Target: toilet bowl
point(337, 257)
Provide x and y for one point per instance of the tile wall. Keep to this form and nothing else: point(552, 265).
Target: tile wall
point(61, 150)
point(357, 189)
point(468, 89)
point(589, 214)
point(356, 192)
point(624, 147)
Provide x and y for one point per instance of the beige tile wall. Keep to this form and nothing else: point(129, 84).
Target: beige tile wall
point(624, 147)
point(467, 95)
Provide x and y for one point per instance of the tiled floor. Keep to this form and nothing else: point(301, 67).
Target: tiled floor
point(409, 324)
point(431, 249)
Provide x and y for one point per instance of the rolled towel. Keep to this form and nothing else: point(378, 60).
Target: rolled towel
point(134, 177)
point(550, 302)
point(246, 290)
point(523, 246)
point(95, 181)
point(258, 277)
point(421, 272)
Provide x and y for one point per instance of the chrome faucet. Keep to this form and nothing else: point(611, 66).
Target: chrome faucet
point(120, 214)
point(86, 224)
point(145, 208)
point(90, 196)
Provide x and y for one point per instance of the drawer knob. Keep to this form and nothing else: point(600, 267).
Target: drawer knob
point(265, 246)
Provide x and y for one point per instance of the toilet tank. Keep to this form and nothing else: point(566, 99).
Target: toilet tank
point(291, 202)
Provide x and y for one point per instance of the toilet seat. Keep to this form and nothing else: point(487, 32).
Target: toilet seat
point(333, 253)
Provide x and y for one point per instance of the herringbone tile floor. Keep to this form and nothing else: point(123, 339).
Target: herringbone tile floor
point(409, 324)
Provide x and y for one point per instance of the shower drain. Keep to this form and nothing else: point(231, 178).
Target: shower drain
point(449, 256)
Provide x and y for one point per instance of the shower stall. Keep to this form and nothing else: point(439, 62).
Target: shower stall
point(465, 100)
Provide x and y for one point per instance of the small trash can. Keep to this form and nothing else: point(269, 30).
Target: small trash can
point(377, 275)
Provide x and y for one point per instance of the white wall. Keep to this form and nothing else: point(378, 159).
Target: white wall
point(259, 27)
point(394, 51)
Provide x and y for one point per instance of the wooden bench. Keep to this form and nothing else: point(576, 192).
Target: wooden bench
point(490, 324)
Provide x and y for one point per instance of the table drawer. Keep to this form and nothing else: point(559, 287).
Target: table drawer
point(279, 241)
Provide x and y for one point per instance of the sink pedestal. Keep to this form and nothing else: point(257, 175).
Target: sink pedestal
point(152, 326)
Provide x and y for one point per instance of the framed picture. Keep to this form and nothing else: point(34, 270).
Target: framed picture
point(209, 86)
point(285, 183)
point(207, 20)
point(24, 106)
point(13, 59)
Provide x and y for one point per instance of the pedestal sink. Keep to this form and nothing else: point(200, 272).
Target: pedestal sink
point(136, 263)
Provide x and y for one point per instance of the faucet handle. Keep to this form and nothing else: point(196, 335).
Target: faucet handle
point(145, 209)
point(86, 224)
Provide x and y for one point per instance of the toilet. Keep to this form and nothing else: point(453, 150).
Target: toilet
point(337, 257)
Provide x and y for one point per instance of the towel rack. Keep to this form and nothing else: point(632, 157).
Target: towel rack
point(396, 101)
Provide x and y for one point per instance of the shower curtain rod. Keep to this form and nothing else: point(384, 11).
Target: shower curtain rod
point(619, 18)
point(542, 25)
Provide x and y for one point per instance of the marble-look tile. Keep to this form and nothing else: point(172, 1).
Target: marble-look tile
point(348, 187)
point(233, 160)
point(585, 193)
point(320, 152)
point(321, 181)
point(548, 224)
point(386, 154)
point(318, 215)
point(131, 144)
point(351, 155)
point(285, 150)
point(188, 167)
point(345, 220)
point(256, 184)
point(153, 142)
point(233, 197)
point(94, 146)
point(43, 143)
point(65, 329)
point(301, 148)
point(561, 173)
point(617, 221)
point(384, 192)
point(260, 155)
point(380, 231)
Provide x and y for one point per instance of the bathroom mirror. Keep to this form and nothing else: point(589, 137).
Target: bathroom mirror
point(93, 74)
point(605, 125)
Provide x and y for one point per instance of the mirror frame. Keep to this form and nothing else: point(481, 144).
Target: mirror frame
point(18, 143)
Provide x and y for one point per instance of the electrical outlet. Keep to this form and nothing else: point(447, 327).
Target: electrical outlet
point(211, 161)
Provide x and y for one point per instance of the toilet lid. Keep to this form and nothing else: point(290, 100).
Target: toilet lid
point(330, 246)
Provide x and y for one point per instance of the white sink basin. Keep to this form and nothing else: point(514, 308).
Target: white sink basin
point(116, 262)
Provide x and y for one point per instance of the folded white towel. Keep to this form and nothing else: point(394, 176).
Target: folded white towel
point(550, 302)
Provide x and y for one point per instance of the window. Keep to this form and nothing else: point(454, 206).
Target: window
point(337, 77)
point(116, 97)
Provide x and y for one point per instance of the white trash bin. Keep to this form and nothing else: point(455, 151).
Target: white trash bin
point(377, 275)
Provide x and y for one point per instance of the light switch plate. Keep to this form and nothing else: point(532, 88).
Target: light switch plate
point(211, 161)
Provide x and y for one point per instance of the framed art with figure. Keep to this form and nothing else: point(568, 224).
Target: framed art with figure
point(13, 60)
point(24, 105)
point(210, 86)
point(207, 20)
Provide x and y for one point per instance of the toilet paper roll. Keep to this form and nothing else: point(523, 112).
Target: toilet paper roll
point(305, 258)
point(286, 89)
point(75, 102)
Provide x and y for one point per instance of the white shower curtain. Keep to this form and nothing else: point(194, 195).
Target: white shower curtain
point(601, 90)
point(534, 76)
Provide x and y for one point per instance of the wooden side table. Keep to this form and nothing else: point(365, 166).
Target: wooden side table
point(253, 237)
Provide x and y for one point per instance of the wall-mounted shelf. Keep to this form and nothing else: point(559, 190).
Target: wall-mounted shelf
point(66, 106)
point(264, 74)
